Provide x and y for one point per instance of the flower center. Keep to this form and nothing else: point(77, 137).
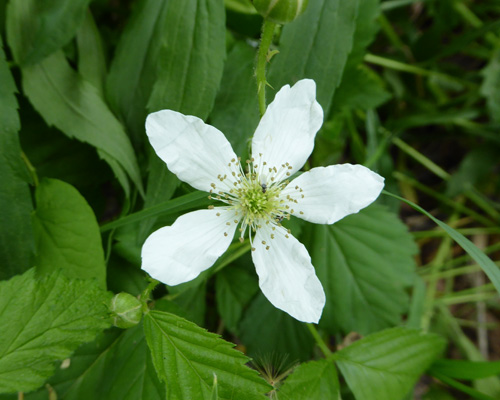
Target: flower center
point(255, 202)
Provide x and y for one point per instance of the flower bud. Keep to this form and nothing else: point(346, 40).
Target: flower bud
point(126, 310)
point(280, 11)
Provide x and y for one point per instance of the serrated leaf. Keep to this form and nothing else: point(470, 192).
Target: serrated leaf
point(46, 27)
point(16, 234)
point(67, 234)
point(267, 331)
point(234, 288)
point(186, 358)
point(191, 59)
point(315, 380)
point(388, 363)
point(316, 46)
point(117, 365)
point(364, 262)
point(44, 321)
point(75, 107)
point(236, 110)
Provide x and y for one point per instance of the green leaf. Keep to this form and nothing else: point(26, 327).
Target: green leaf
point(135, 62)
point(267, 331)
point(387, 364)
point(234, 289)
point(91, 56)
point(468, 370)
point(186, 358)
point(67, 234)
point(44, 321)
point(236, 110)
point(365, 263)
point(316, 46)
point(75, 107)
point(191, 59)
point(366, 30)
point(488, 266)
point(115, 366)
point(191, 299)
point(177, 205)
point(490, 88)
point(37, 29)
point(360, 88)
point(17, 244)
point(315, 380)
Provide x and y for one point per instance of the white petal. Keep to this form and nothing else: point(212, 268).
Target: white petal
point(179, 253)
point(286, 275)
point(287, 130)
point(196, 152)
point(331, 193)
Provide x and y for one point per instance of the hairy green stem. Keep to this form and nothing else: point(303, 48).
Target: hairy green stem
point(260, 71)
point(319, 341)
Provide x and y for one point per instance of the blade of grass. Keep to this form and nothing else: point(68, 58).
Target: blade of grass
point(486, 264)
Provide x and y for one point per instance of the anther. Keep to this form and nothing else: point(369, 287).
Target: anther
point(210, 207)
point(225, 233)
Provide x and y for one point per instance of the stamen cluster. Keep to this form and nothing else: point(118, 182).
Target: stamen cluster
point(256, 195)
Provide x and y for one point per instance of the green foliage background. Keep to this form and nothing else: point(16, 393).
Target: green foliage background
point(410, 89)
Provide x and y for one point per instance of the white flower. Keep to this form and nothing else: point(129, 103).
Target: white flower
point(200, 155)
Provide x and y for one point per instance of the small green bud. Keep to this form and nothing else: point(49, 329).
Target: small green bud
point(126, 310)
point(280, 11)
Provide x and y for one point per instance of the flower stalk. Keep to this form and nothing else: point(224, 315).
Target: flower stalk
point(268, 29)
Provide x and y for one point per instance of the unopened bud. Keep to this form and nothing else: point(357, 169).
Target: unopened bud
point(126, 310)
point(280, 11)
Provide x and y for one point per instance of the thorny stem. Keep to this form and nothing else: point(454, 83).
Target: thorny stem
point(260, 71)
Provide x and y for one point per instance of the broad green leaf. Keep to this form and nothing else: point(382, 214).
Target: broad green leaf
point(135, 62)
point(365, 263)
point(488, 266)
point(191, 58)
point(186, 358)
point(91, 56)
point(266, 331)
point(75, 107)
point(178, 48)
point(67, 234)
point(37, 29)
point(386, 364)
point(234, 288)
point(117, 365)
point(43, 321)
point(16, 235)
point(316, 46)
point(236, 111)
point(315, 380)
point(490, 88)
